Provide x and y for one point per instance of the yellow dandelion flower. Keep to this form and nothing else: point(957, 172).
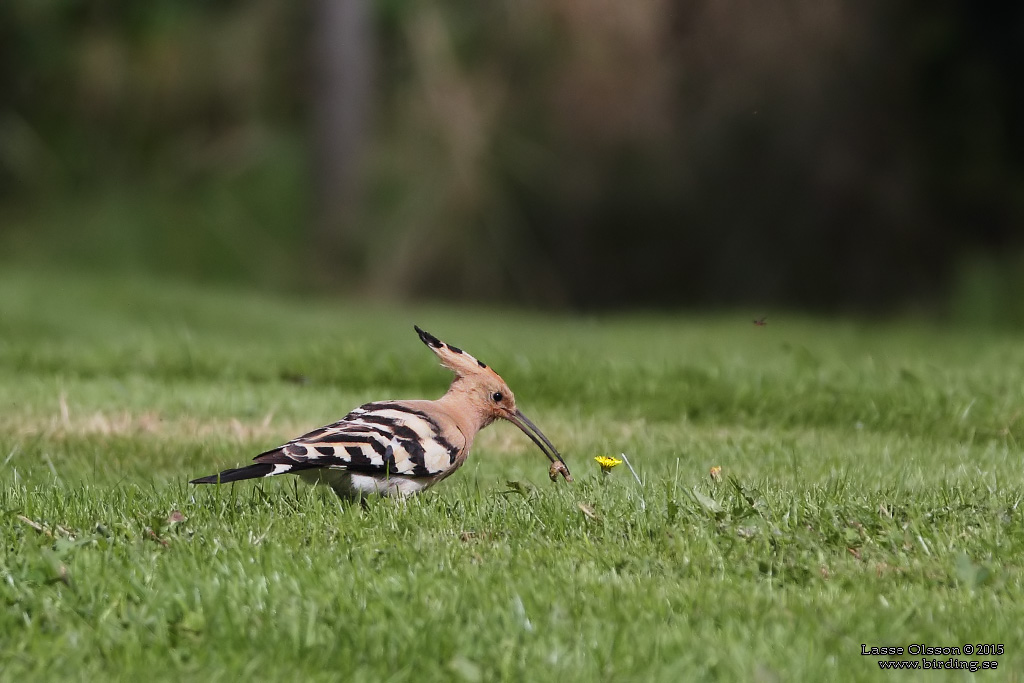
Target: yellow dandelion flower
point(607, 463)
point(716, 473)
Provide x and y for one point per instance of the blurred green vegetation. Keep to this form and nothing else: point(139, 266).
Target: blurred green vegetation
point(561, 153)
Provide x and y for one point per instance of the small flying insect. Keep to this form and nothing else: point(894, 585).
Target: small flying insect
point(762, 321)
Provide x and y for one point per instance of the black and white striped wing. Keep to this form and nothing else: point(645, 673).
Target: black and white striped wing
point(385, 439)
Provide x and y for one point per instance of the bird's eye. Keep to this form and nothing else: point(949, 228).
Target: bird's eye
point(497, 396)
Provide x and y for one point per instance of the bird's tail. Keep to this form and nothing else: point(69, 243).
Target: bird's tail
point(260, 469)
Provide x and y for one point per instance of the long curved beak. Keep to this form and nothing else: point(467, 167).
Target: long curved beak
point(519, 420)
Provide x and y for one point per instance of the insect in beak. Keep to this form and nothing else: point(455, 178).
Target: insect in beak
point(519, 420)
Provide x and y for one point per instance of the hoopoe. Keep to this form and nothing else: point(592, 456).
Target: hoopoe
point(401, 447)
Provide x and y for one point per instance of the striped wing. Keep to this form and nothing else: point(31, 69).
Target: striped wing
point(386, 439)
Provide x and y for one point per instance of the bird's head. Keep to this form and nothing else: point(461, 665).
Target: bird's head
point(479, 393)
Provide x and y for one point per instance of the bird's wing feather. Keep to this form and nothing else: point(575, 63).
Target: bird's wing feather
point(387, 438)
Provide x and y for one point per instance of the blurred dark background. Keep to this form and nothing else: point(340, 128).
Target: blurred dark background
point(569, 154)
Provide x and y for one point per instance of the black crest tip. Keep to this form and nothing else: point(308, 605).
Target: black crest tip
point(427, 338)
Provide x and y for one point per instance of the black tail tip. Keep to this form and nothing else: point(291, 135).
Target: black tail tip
point(427, 338)
point(206, 480)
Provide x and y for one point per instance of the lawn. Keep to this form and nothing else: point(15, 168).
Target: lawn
point(870, 494)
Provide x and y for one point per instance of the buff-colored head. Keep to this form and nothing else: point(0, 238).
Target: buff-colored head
point(481, 390)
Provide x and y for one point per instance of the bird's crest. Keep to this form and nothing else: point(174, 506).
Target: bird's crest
point(454, 358)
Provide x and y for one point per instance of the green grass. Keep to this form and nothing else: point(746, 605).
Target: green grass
point(872, 490)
